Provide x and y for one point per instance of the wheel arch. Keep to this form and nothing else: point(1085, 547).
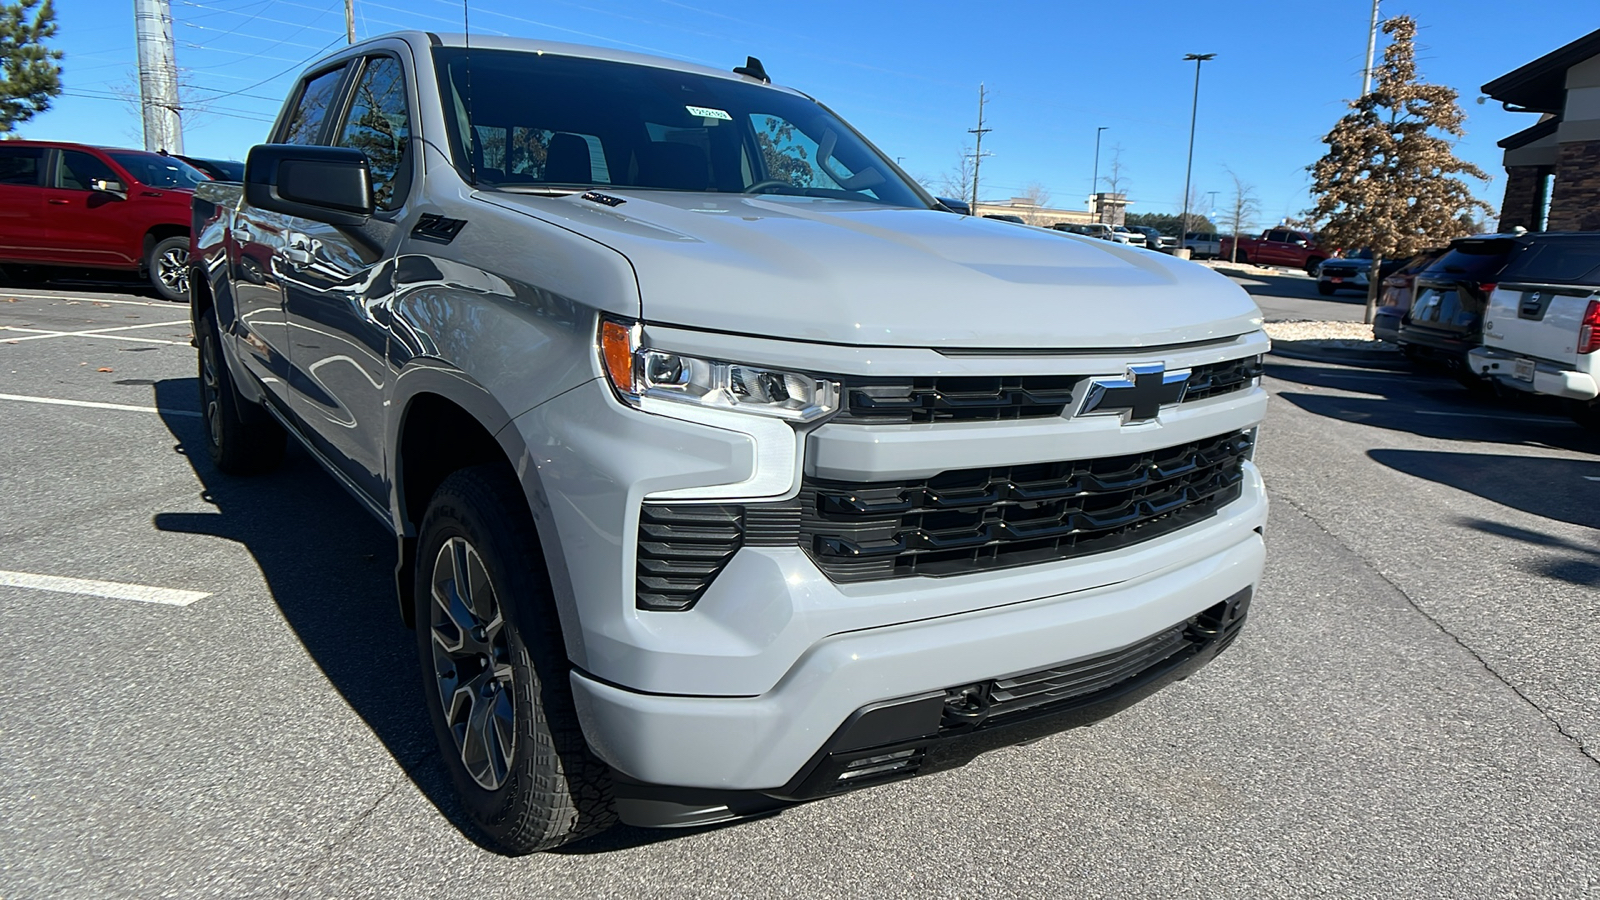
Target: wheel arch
point(446, 421)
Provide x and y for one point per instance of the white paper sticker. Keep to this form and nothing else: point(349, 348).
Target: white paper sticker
point(706, 113)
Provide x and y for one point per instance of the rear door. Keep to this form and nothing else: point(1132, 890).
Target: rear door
point(1274, 248)
point(89, 227)
point(22, 232)
point(261, 238)
point(1542, 297)
point(339, 280)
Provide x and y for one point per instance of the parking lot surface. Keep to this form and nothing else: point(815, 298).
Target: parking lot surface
point(208, 691)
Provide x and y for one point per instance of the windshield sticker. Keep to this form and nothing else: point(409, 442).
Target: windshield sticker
point(705, 113)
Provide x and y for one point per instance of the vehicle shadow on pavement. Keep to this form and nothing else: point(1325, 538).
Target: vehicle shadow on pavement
point(1430, 406)
point(86, 283)
point(1580, 565)
point(1548, 487)
point(1273, 283)
point(330, 568)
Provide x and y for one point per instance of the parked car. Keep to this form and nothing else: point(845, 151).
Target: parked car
point(1285, 247)
point(1203, 244)
point(1005, 217)
point(1153, 239)
point(1117, 234)
point(677, 557)
point(1398, 291)
point(1351, 271)
point(1446, 320)
point(1122, 234)
point(218, 169)
point(1541, 333)
point(955, 206)
point(82, 207)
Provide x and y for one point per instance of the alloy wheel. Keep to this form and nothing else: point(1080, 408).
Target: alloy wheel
point(472, 663)
point(210, 389)
point(172, 267)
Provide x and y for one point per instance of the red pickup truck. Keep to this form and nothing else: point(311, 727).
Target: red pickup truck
point(1278, 247)
point(81, 207)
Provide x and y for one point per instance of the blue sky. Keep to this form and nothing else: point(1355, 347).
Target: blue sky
point(907, 74)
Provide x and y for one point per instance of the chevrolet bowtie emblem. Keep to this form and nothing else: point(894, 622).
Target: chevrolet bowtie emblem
point(1141, 393)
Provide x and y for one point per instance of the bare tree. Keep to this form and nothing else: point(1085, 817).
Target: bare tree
point(1193, 222)
point(957, 180)
point(1115, 180)
point(1387, 182)
point(1038, 197)
point(1243, 207)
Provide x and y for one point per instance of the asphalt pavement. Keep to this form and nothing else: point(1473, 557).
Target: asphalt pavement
point(1412, 711)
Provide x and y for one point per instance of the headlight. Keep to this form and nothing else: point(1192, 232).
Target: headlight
point(637, 372)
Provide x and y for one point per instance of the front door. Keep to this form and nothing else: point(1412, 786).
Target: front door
point(338, 297)
point(89, 227)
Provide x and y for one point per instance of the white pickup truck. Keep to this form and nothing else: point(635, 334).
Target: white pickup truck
point(1542, 329)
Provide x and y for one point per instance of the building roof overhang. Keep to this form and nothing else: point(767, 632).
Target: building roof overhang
point(1541, 85)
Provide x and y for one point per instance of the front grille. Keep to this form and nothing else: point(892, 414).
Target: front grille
point(681, 549)
point(970, 520)
point(956, 398)
point(902, 401)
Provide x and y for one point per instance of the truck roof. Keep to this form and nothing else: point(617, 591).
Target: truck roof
point(420, 40)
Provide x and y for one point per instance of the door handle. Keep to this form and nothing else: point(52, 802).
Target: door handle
point(58, 202)
point(297, 249)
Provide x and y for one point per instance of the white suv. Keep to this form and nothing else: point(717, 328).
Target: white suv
point(1542, 329)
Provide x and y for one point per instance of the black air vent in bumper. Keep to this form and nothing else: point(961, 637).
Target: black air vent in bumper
point(682, 548)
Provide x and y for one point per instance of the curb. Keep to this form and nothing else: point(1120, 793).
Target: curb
point(1364, 359)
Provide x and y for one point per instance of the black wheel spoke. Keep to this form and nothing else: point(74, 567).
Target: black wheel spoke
point(474, 681)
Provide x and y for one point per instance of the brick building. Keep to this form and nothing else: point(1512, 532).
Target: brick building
point(1553, 166)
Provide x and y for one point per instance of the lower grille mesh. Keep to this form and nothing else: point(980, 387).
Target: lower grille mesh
point(681, 549)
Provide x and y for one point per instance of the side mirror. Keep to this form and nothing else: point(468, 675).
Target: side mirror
point(110, 186)
point(324, 184)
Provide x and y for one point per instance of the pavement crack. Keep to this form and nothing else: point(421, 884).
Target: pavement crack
point(1372, 565)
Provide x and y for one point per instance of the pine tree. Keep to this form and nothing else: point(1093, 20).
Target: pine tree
point(29, 75)
point(1388, 182)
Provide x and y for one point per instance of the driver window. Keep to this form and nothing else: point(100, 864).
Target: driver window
point(379, 125)
point(79, 171)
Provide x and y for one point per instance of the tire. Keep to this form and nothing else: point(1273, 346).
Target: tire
point(495, 669)
point(1313, 267)
point(1586, 413)
point(241, 437)
point(168, 268)
point(1326, 288)
point(1242, 258)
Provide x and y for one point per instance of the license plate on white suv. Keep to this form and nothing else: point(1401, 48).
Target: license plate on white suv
point(1523, 370)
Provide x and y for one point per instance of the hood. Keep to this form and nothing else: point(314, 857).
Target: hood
point(852, 273)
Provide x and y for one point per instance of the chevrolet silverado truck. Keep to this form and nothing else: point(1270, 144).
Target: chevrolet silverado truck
point(1284, 247)
point(727, 469)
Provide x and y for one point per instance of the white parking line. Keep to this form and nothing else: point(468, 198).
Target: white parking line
point(82, 299)
point(111, 590)
point(39, 334)
point(55, 401)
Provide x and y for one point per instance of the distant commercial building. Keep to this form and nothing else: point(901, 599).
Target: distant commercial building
point(1553, 167)
point(1031, 213)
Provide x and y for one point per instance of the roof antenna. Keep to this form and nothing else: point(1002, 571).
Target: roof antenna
point(753, 68)
point(472, 130)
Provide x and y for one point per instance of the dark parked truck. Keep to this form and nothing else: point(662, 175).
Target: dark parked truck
point(727, 470)
point(1284, 247)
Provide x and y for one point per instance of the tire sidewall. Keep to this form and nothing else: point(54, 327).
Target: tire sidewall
point(153, 265)
point(493, 811)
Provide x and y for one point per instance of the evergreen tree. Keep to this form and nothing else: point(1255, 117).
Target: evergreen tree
point(1388, 182)
point(29, 75)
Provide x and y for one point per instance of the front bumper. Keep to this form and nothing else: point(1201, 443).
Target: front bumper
point(1548, 378)
point(767, 743)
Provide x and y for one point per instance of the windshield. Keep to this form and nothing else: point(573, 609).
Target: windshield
point(535, 120)
point(155, 170)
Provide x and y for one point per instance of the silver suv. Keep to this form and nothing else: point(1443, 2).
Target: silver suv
point(727, 471)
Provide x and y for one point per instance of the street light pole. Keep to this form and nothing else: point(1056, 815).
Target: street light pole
point(1094, 185)
point(1183, 223)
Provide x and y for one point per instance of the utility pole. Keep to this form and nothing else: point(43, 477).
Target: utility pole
point(977, 153)
point(1372, 47)
point(1183, 223)
point(350, 21)
point(158, 76)
point(1094, 186)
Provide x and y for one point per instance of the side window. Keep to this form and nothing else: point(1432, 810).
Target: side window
point(79, 171)
point(305, 123)
point(379, 125)
point(21, 165)
point(790, 155)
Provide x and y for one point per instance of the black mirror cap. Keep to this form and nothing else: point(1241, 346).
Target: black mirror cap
point(324, 184)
